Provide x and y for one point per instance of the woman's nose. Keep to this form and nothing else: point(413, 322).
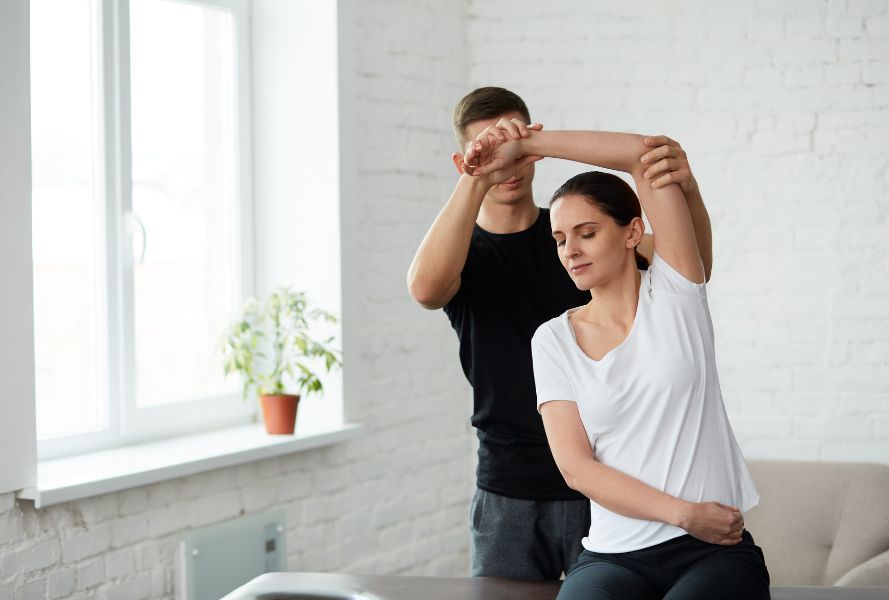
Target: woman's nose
point(571, 249)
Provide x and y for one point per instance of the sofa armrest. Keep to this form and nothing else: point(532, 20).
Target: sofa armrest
point(874, 572)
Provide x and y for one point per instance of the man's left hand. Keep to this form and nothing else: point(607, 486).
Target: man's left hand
point(668, 163)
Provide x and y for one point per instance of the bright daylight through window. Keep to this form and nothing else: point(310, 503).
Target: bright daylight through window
point(139, 153)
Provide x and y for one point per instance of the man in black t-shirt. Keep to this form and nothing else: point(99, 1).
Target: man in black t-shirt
point(490, 261)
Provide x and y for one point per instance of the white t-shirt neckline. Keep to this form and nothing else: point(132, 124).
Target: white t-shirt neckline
point(608, 356)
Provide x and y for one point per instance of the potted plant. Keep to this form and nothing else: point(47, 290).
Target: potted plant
point(270, 347)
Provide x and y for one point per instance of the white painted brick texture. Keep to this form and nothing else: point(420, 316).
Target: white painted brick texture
point(783, 107)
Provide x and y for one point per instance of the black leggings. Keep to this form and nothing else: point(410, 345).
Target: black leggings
point(684, 568)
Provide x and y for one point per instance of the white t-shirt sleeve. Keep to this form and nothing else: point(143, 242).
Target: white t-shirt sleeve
point(550, 368)
point(665, 277)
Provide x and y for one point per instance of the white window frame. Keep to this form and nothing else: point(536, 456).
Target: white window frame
point(128, 423)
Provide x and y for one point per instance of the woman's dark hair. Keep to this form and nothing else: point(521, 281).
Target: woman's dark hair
point(611, 194)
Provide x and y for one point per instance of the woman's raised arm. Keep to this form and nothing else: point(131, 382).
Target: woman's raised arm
point(665, 207)
point(611, 150)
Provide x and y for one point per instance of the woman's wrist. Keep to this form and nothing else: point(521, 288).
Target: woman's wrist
point(680, 513)
point(530, 145)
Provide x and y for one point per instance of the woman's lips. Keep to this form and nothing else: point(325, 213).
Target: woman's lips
point(578, 269)
point(512, 182)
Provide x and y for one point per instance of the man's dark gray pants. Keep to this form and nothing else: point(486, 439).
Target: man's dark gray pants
point(526, 539)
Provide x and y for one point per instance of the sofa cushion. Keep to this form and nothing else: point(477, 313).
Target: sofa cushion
point(874, 572)
point(818, 521)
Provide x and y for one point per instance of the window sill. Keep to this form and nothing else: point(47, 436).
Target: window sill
point(85, 475)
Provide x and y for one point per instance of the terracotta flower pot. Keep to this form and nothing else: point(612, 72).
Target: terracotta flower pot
point(279, 413)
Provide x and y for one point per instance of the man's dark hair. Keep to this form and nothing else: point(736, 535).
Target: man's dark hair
point(486, 103)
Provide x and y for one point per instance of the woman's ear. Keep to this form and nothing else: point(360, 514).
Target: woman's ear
point(458, 162)
point(636, 232)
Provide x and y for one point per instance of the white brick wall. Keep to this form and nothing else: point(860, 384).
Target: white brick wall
point(784, 108)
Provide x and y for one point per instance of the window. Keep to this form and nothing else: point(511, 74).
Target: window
point(141, 216)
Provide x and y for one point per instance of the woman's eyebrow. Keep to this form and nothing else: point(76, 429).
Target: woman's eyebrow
point(578, 226)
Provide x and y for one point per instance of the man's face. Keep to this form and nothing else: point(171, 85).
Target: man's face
point(515, 189)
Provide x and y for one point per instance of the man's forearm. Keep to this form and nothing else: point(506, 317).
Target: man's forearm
point(436, 267)
point(700, 218)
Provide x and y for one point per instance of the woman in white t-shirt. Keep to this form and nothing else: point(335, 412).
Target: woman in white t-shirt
point(627, 384)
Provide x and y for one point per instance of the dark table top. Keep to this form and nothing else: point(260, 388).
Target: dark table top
point(334, 586)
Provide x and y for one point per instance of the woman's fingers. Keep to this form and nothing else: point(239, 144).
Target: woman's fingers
point(510, 127)
point(498, 134)
point(736, 538)
point(732, 538)
point(736, 529)
point(525, 130)
point(517, 129)
point(492, 131)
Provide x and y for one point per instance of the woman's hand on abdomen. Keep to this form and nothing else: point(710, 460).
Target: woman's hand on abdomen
point(713, 522)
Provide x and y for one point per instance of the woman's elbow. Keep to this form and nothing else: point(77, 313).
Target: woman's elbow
point(632, 158)
point(580, 475)
point(574, 484)
point(570, 478)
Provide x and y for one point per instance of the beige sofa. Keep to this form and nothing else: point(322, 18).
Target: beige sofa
point(822, 523)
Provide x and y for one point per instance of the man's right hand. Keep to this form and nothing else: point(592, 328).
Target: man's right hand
point(494, 154)
point(713, 523)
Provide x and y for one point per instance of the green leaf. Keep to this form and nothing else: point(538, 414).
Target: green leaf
point(266, 342)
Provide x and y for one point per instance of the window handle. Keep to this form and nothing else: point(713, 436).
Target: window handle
point(133, 223)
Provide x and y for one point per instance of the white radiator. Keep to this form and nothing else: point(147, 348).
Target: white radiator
point(216, 559)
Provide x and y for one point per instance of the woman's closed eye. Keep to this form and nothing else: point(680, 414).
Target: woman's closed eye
point(584, 236)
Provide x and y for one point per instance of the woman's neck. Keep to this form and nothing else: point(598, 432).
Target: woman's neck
point(614, 302)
